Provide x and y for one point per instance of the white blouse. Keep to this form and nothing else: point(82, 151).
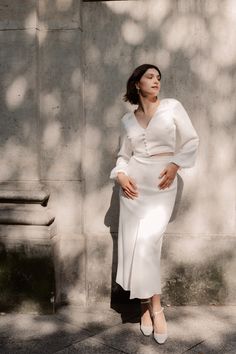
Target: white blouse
point(169, 130)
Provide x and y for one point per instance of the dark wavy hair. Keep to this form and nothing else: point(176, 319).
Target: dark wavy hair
point(131, 94)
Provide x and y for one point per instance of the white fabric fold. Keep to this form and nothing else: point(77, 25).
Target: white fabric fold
point(186, 153)
point(124, 153)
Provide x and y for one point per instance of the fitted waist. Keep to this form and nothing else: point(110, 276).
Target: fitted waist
point(163, 154)
point(161, 157)
point(154, 156)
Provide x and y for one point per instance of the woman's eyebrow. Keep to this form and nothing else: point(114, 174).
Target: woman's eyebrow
point(154, 75)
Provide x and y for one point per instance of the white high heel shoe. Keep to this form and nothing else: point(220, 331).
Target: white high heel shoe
point(146, 330)
point(159, 337)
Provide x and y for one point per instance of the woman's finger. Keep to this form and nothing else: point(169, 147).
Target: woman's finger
point(131, 191)
point(167, 183)
point(128, 194)
point(163, 181)
point(163, 172)
point(133, 182)
point(132, 186)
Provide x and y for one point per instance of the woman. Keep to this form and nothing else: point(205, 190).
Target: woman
point(156, 140)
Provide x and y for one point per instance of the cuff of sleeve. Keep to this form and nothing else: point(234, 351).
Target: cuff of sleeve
point(114, 172)
point(177, 164)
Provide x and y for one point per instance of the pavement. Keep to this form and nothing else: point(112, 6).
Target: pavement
point(104, 330)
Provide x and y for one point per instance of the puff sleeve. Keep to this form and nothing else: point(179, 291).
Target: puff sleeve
point(186, 151)
point(124, 153)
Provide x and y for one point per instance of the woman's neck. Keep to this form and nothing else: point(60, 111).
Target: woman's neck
point(147, 107)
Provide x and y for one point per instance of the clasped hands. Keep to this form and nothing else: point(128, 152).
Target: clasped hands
point(129, 185)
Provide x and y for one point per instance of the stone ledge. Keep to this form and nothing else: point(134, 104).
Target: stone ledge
point(24, 196)
point(13, 235)
point(10, 216)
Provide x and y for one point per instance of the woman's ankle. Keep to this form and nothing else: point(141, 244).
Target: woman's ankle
point(158, 308)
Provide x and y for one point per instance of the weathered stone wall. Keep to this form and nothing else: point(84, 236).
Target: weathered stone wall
point(60, 115)
point(42, 120)
point(64, 66)
point(193, 43)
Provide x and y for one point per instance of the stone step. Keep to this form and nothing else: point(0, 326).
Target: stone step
point(13, 235)
point(20, 215)
point(22, 206)
point(25, 219)
point(24, 196)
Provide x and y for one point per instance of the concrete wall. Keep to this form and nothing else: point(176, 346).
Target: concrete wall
point(42, 120)
point(64, 66)
point(193, 42)
point(60, 116)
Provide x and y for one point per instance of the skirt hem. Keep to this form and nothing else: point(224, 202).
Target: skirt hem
point(156, 292)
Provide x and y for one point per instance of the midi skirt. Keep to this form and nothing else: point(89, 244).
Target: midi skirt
point(142, 223)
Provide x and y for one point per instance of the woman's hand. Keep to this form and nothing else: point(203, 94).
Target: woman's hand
point(128, 185)
point(169, 174)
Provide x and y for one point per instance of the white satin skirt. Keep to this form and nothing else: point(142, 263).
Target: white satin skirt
point(142, 223)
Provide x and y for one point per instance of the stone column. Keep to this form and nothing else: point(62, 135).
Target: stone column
point(60, 123)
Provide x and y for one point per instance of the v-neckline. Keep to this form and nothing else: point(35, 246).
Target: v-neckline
point(135, 118)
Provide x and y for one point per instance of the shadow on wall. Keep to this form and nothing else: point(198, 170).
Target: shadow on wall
point(41, 96)
point(194, 71)
point(26, 279)
point(194, 45)
point(41, 113)
point(198, 284)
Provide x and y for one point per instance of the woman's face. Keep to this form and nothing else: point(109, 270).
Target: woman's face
point(150, 83)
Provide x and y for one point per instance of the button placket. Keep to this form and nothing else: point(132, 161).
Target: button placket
point(145, 143)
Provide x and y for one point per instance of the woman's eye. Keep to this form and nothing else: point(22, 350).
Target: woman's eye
point(150, 77)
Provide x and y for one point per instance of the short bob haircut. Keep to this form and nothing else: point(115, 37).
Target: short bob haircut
point(131, 91)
